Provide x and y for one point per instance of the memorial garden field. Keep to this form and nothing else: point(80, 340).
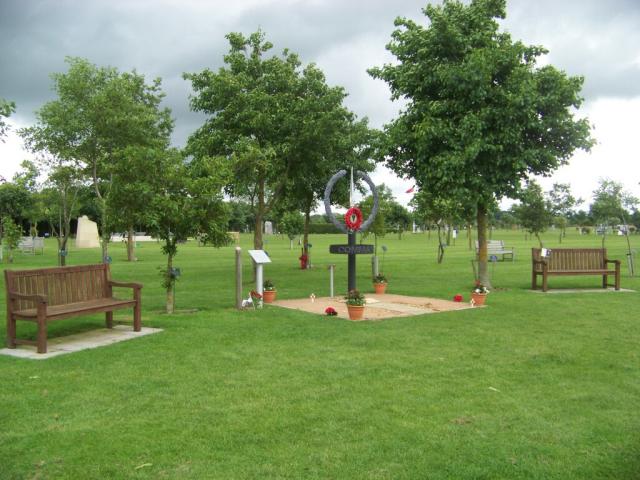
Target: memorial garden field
point(543, 386)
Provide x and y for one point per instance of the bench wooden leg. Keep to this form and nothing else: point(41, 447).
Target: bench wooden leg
point(534, 280)
point(545, 285)
point(11, 331)
point(137, 311)
point(109, 319)
point(42, 332)
point(605, 281)
point(617, 278)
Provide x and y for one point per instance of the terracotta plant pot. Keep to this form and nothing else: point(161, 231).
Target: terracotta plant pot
point(268, 296)
point(478, 298)
point(356, 312)
point(380, 287)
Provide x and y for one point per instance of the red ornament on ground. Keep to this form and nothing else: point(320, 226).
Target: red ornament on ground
point(457, 298)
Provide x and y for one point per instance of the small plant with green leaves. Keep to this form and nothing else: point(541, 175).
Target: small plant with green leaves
point(355, 298)
point(268, 286)
point(380, 278)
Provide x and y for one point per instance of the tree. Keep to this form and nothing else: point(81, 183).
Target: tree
point(98, 114)
point(379, 226)
point(12, 235)
point(240, 215)
point(398, 218)
point(27, 179)
point(187, 202)
point(292, 224)
point(611, 206)
point(437, 210)
point(562, 203)
point(6, 109)
point(480, 115)
point(534, 212)
point(249, 124)
point(14, 200)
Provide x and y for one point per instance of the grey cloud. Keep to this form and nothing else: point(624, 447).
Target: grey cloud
point(164, 38)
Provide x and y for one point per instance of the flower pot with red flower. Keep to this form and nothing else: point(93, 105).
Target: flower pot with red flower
point(380, 283)
point(268, 291)
point(479, 294)
point(355, 304)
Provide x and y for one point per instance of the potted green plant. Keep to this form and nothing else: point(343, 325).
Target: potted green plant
point(479, 294)
point(268, 291)
point(355, 304)
point(380, 283)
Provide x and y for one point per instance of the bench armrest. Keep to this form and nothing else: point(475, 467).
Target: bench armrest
point(617, 262)
point(133, 285)
point(541, 261)
point(34, 297)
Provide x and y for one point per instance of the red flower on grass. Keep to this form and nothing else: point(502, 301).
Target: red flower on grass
point(457, 298)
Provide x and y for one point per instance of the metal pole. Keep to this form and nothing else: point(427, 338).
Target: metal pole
point(238, 278)
point(352, 262)
point(259, 282)
point(331, 269)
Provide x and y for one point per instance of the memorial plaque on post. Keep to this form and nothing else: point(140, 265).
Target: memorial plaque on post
point(259, 257)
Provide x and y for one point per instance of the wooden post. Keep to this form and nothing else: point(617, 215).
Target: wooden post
point(238, 277)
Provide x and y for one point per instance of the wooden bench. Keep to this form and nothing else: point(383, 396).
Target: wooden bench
point(31, 244)
point(48, 294)
point(573, 261)
point(496, 247)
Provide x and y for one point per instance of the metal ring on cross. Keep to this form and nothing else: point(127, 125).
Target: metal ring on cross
point(327, 201)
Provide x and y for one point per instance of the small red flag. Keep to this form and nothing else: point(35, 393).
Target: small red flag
point(411, 189)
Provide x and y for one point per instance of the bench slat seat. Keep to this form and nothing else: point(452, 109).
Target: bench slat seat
point(573, 261)
point(46, 294)
point(59, 312)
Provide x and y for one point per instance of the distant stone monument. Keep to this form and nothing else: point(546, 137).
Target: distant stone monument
point(87, 233)
point(268, 228)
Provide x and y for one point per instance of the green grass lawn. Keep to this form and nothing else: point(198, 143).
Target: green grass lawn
point(534, 386)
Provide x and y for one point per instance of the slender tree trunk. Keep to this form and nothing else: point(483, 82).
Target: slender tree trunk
point(171, 301)
point(449, 235)
point(539, 240)
point(483, 257)
point(440, 245)
point(305, 236)
point(469, 236)
point(257, 234)
point(131, 257)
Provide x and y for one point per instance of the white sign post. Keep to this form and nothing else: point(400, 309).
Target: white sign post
point(259, 257)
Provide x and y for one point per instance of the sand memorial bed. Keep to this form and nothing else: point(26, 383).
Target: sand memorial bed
point(379, 307)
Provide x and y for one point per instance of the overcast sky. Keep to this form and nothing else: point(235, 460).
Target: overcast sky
point(164, 38)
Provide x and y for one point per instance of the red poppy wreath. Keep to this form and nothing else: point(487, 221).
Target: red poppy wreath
point(353, 218)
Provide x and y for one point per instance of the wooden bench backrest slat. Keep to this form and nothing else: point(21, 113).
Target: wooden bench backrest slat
point(61, 285)
point(573, 259)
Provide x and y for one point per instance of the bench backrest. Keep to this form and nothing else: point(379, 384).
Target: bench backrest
point(492, 245)
point(572, 259)
point(61, 285)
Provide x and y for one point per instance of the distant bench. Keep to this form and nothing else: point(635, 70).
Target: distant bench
point(573, 261)
point(31, 244)
point(49, 294)
point(496, 247)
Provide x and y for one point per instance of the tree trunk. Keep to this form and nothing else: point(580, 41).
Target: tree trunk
point(305, 236)
point(131, 257)
point(257, 234)
point(539, 240)
point(171, 300)
point(483, 264)
point(440, 245)
point(469, 236)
